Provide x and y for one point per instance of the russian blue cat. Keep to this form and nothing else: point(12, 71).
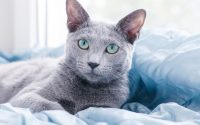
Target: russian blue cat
point(93, 71)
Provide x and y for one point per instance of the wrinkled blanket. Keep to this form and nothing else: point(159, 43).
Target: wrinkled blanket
point(166, 68)
point(165, 114)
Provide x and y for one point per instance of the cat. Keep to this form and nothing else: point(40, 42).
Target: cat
point(92, 72)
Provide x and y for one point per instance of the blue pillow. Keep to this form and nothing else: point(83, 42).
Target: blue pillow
point(35, 53)
point(166, 68)
point(3, 61)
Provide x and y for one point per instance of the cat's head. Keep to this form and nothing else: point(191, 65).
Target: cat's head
point(98, 52)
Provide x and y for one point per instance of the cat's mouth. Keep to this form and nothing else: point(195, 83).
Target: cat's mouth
point(92, 73)
point(92, 76)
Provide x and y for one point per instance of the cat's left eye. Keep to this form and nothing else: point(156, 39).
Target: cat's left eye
point(112, 48)
point(83, 44)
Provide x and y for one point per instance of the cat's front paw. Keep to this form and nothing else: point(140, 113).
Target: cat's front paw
point(136, 107)
point(34, 102)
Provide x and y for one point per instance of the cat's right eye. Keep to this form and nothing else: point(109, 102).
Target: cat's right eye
point(112, 48)
point(83, 44)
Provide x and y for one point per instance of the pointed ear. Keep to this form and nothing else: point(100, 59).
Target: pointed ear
point(131, 25)
point(76, 15)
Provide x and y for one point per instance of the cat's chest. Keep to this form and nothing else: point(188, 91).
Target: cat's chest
point(84, 99)
point(83, 93)
point(96, 98)
point(80, 96)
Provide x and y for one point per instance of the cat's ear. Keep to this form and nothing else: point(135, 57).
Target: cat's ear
point(76, 15)
point(131, 25)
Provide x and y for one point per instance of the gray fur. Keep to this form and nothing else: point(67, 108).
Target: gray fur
point(68, 83)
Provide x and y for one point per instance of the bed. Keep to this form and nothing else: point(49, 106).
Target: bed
point(165, 77)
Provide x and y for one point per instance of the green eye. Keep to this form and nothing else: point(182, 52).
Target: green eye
point(112, 48)
point(83, 44)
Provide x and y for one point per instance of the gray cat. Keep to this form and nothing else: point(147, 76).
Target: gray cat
point(93, 71)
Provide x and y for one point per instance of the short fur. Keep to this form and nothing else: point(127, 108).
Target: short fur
point(69, 83)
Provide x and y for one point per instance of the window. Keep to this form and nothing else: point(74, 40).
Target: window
point(171, 14)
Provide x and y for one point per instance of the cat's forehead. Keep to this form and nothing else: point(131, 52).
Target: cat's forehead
point(101, 31)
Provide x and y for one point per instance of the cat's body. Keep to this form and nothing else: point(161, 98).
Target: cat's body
point(16, 76)
point(93, 72)
point(46, 78)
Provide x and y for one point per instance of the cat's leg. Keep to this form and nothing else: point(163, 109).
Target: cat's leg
point(35, 102)
point(136, 107)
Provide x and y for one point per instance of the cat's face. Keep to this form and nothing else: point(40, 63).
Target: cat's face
point(99, 52)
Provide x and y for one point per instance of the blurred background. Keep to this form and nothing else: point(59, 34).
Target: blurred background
point(35, 24)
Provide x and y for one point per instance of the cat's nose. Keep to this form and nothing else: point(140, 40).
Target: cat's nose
point(93, 65)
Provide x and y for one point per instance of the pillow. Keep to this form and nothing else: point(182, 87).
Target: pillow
point(166, 68)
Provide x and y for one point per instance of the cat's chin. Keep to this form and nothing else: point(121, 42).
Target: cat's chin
point(93, 78)
point(97, 80)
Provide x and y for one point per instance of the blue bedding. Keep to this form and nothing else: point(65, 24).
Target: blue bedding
point(166, 68)
point(164, 114)
point(45, 52)
point(164, 77)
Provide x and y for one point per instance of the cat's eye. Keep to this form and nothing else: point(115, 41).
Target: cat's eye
point(83, 44)
point(112, 48)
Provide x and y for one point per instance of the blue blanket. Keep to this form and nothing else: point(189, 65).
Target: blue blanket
point(165, 114)
point(165, 69)
point(39, 53)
